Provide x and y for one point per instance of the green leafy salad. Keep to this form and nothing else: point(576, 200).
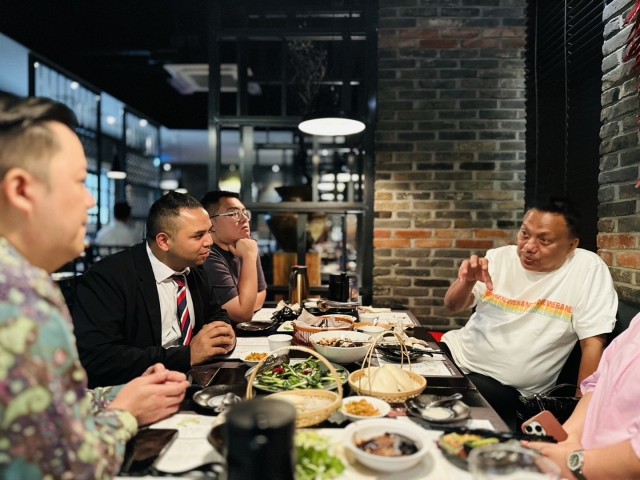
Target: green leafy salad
point(308, 374)
point(315, 457)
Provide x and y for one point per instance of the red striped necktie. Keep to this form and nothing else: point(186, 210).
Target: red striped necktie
point(184, 319)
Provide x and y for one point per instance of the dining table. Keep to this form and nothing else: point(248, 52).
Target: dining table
point(194, 424)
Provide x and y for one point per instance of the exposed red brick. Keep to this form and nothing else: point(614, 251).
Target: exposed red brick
point(459, 33)
point(480, 43)
point(383, 196)
point(512, 43)
point(433, 243)
point(491, 234)
point(438, 43)
point(474, 243)
point(395, 42)
point(503, 32)
point(391, 242)
point(453, 233)
point(413, 233)
point(627, 259)
point(607, 257)
point(616, 242)
point(380, 233)
point(418, 33)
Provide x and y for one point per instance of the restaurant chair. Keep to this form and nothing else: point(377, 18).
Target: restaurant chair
point(569, 373)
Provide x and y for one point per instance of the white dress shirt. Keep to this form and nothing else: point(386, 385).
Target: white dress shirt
point(167, 292)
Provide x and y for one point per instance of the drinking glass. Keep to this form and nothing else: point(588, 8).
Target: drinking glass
point(510, 461)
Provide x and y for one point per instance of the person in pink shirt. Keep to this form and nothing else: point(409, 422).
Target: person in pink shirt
point(604, 430)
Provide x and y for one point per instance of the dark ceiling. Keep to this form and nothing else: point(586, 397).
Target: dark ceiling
point(121, 46)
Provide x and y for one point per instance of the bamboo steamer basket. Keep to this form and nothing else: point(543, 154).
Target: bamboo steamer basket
point(360, 384)
point(311, 417)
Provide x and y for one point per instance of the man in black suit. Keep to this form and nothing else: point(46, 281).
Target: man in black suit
point(133, 309)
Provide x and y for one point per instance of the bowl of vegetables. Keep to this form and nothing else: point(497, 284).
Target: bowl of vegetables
point(308, 374)
point(306, 384)
point(363, 407)
point(341, 347)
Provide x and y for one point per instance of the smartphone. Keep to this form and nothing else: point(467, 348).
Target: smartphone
point(545, 423)
point(144, 449)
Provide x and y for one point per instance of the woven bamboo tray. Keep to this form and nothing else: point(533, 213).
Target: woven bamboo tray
point(301, 334)
point(361, 385)
point(311, 417)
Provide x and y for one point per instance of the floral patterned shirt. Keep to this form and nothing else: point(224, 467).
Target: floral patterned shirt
point(51, 426)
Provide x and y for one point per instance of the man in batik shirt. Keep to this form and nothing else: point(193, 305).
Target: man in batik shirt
point(50, 425)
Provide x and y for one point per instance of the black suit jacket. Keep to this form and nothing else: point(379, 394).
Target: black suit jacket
point(117, 322)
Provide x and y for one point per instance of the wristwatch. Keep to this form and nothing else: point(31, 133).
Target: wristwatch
point(575, 463)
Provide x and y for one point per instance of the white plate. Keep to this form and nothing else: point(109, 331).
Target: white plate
point(383, 407)
point(286, 326)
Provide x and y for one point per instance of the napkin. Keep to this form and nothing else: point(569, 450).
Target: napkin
point(374, 310)
point(306, 319)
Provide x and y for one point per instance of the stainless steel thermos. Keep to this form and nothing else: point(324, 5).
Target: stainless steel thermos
point(298, 284)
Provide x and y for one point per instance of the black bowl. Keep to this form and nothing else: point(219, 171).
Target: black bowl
point(259, 329)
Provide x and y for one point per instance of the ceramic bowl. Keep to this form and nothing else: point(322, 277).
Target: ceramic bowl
point(367, 429)
point(253, 363)
point(341, 354)
point(383, 408)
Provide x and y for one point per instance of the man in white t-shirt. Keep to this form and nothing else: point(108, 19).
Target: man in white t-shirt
point(118, 233)
point(532, 302)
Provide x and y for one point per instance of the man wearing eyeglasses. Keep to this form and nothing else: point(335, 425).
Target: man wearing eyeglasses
point(233, 266)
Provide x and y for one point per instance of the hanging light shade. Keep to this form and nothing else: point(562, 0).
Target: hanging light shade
point(331, 124)
point(116, 172)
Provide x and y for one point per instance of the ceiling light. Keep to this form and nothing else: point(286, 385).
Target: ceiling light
point(331, 124)
point(74, 85)
point(166, 167)
point(116, 172)
point(275, 168)
point(328, 196)
point(326, 186)
point(181, 190)
point(143, 123)
point(111, 119)
point(343, 177)
point(169, 184)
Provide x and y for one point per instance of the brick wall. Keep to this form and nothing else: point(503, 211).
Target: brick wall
point(619, 222)
point(450, 145)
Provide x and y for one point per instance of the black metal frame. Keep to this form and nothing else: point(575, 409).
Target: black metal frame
point(340, 29)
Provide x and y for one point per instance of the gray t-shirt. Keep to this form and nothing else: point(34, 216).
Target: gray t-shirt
point(223, 271)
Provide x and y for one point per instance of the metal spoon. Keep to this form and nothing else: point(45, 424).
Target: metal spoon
point(443, 401)
point(229, 399)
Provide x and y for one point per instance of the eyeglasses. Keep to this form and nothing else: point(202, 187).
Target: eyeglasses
point(235, 214)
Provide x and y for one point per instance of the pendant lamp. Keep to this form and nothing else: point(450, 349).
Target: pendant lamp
point(331, 124)
point(116, 172)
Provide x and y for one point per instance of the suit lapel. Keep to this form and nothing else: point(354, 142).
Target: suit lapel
point(149, 291)
point(196, 298)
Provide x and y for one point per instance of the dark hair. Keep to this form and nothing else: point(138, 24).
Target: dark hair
point(25, 140)
point(121, 211)
point(569, 209)
point(211, 201)
point(164, 212)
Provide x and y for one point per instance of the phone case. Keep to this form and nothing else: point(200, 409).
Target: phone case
point(145, 448)
point(545, 423)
